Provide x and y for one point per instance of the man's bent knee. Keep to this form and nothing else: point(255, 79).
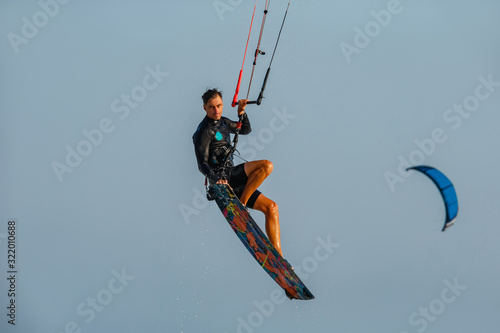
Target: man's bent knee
point(271, 207)
point(268, 166)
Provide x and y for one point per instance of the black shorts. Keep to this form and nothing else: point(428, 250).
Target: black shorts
point(238, 180)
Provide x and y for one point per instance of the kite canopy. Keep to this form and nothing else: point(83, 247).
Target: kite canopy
point(445, 188)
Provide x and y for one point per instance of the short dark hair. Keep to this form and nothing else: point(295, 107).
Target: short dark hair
point(209, 94)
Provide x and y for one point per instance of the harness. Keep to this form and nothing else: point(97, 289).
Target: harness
point(226, 156)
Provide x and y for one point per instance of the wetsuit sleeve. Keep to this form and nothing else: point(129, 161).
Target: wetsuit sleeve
point(201, 141)
point(245, 125)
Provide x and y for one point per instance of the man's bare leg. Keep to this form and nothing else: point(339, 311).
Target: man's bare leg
point(256, 172)
point(270, 210)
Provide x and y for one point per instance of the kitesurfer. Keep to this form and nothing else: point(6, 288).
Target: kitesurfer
point(212, 144)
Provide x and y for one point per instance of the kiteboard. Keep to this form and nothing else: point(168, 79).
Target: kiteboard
point(257, 243)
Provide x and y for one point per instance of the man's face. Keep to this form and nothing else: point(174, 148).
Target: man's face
point(214, 108)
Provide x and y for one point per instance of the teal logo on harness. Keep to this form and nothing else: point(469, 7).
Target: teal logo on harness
point(218, 136)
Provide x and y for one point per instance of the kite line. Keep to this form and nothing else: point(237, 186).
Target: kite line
point(258, 101)
point(235, 98)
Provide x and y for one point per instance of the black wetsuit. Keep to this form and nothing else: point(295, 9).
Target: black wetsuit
point(212, 142)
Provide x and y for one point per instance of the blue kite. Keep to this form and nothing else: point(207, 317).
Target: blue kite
point(446, 189)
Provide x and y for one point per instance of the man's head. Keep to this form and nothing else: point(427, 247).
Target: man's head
point(212, 103)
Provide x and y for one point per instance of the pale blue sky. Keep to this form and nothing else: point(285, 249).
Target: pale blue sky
point(120, 238)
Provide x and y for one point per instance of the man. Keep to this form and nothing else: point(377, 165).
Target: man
point(212, 144)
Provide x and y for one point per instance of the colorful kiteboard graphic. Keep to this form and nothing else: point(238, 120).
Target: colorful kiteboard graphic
point(257, 243)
